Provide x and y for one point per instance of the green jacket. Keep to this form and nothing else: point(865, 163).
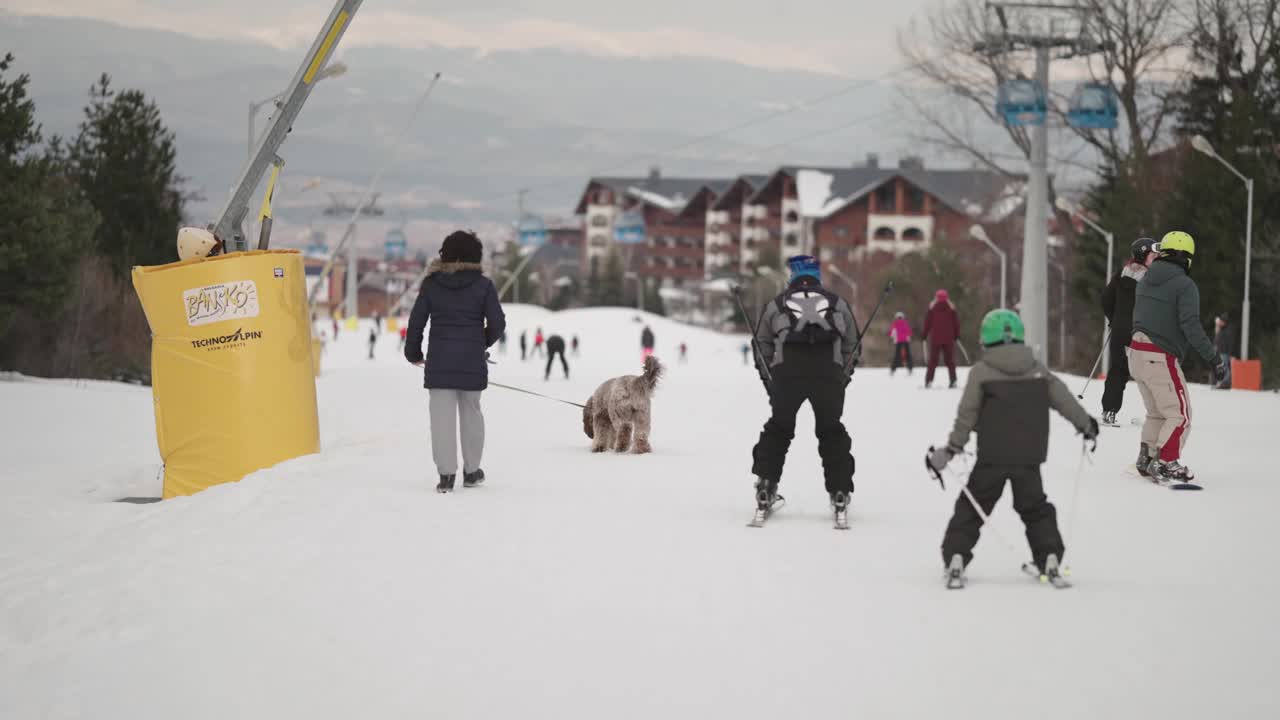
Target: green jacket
point(1167, 308)
point(1006, 400)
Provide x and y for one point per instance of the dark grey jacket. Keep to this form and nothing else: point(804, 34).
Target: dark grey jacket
point(1167, 308)
point(1006, 400)
point(774, 327)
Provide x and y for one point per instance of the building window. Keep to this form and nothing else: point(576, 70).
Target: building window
point(886, 201)
point(599, 241)
point(599, 221)
point(792, 217)
point(915, 199)
point(885, 233)
point(913, 234)
point(791, 239)
point(750, 243)
point(751, 221)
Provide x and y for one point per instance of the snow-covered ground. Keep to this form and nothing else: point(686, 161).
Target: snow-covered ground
point(576, 585)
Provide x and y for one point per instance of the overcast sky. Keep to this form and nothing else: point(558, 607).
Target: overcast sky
point(849, 37)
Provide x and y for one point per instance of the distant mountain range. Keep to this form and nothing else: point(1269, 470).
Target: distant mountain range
point(541, 119)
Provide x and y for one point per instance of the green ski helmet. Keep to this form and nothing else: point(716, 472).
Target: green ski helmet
point(1001, 326)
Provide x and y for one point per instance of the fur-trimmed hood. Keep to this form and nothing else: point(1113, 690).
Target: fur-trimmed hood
point(454, 275)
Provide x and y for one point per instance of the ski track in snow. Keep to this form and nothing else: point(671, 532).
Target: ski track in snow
point(575, 585)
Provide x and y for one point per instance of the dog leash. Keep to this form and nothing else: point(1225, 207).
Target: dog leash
point(536, 394)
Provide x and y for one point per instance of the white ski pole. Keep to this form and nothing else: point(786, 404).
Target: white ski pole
point(1075, 501)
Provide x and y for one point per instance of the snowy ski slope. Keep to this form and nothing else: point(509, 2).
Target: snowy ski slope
point(601, 586)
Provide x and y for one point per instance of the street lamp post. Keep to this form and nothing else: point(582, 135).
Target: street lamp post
point(978, 233)
point(1074, 210)
point(333, 70)
point(1202, 145)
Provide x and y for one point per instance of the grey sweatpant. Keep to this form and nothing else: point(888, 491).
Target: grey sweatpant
point(447, 406)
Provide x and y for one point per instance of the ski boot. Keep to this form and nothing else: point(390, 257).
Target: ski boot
point(446, 484)
point(840, 504)
point(955, 573)
point(767, 499)
point(951, 385)
point(1109, 418)
point(1170, 473)
point(473, 479)
point(1145, 459)
point(1051, 573)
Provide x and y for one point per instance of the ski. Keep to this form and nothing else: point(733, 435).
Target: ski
point(1052, 577)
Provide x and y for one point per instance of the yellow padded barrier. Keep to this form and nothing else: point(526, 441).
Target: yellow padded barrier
point(231, 365)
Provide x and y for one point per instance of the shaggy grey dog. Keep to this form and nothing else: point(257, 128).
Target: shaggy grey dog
point(617, 415)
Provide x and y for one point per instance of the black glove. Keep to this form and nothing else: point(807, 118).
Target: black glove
point(1090, 434)
point(1219, 371)
point(938, 457)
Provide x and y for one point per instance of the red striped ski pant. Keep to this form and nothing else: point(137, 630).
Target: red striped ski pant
point(1159, 378)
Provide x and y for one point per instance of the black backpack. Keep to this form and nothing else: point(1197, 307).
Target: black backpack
point(812, 312)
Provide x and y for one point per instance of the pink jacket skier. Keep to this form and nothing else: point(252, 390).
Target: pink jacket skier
point(900, 332)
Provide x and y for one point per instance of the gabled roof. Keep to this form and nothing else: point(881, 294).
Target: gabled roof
point(669, 193)
point(962, 190)
point(740, 186)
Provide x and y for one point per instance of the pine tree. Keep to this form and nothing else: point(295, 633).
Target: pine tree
point(125, 162)
point(45, 226)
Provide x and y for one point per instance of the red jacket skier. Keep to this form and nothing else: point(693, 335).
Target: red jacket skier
point(941, 329)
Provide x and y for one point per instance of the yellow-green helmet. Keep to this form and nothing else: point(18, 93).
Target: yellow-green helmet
point(1178, 240)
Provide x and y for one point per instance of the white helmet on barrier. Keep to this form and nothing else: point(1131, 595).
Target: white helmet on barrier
point(194, 242)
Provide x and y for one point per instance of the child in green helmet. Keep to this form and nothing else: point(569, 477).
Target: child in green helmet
point(1006, 399)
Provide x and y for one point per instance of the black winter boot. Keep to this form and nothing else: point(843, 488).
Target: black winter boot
point(766, 493)
point(446, 484)
point(1145, 457)
point(473, 479)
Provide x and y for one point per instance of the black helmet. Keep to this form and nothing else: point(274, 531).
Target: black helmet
point(1141, 247)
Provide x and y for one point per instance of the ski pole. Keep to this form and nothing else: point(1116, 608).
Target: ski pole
point(964, 352)
point(888, 289)
point(1105, 341)
point(1075, 500)
point(764, 366)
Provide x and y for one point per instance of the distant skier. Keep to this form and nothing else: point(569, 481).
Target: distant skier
point(377, 321)
point(466, 319)
point(746, 353)
point(574, 344)
point(1166, 328)
point(646, 342)
point(684, 352)
point(373, 341)
point(1117, 305)
point(555, 348)
point(1006, 399)
point(1224, 343)
point(404, 334)
point(336, 325)
point(807, 337)
point(941, 330)
point(524, 344)
point(539, 341)
point(502, 343)
point(900, 334)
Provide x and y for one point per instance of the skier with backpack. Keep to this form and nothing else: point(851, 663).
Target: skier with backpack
point(807, 339)
point(1006, 400)
point(1117, 305)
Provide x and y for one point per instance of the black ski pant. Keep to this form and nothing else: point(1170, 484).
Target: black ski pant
point(1117, 374)
point(807, 375)
point(901, 355)
point(986, 483)
point(552, 354)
